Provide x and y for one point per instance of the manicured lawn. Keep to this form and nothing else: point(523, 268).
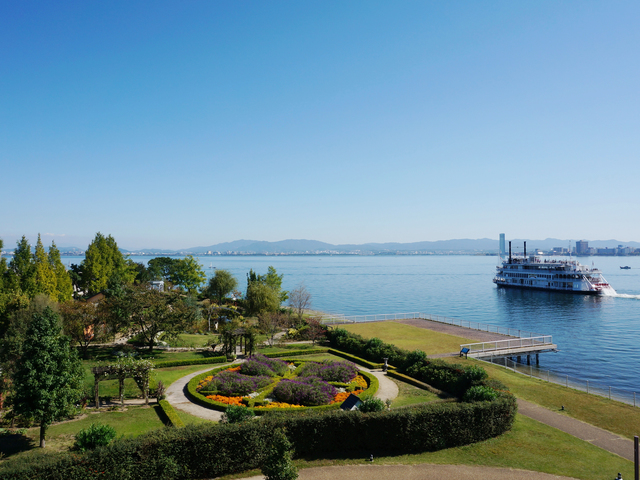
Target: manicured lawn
point(409, 337)
point(410, 395)
point(614, 416)
point(530, 445)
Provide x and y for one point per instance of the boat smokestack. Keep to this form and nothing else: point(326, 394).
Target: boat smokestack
point(509, 251)
point(525, 249)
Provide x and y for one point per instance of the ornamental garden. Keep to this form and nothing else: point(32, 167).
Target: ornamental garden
point(262, 383)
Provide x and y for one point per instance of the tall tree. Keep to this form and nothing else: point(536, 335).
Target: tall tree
point(63, 280)
point(146, 312)
point(47, 381)
point(3, 265)
point(46, 281)
point(221, 285)
point(84, 323)
point(188, 274)
point(103, 261)
point(161, 268)
point(261, 298)
point(22, 274)
point(275, 281)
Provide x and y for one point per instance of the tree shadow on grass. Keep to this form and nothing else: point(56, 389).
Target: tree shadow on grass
point(10, 444)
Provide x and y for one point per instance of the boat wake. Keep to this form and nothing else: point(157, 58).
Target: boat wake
point(625, 295)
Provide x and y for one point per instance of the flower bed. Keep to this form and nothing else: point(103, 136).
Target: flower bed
point(296, 386)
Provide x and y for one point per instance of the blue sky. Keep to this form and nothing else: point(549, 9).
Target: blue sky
point(180, 124)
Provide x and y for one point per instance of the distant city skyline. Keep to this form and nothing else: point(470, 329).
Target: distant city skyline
point(176, 124)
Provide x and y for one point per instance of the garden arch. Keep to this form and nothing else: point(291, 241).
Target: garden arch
point(139, 370)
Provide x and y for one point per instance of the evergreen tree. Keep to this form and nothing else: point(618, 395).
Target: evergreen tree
point(221, 285)
point(63, 280)
point(103, 261)
point(46, 281)
point(47, 381)
point(21, 274)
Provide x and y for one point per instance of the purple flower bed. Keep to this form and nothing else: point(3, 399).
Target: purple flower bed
point(261, 365)
point(234, 384)
point(329, 371)
point(307, 391)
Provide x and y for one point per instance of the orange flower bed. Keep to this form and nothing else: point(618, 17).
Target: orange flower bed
point(233, 369)
point(280, 405)
point(228, 400)
point(203, 382)
point(342, 396)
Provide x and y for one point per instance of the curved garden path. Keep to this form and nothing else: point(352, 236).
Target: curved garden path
point(177, 397)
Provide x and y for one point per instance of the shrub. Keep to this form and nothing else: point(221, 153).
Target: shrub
point(96, 435)
point(261, 365)
point(480, 393)
point(235, 414)
point(329, 371)
point(234, 384)
point(371, 405)
point(278, 464)
point(307, 391)
point(172, 417)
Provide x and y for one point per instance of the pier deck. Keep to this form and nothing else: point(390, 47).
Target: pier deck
point(511, 347)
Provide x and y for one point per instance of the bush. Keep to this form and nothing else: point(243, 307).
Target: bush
point(329, 371)
point(371, 405)
point(480, 393)
point(307, 391)
point(278, 464)
point(196, 361)
point(96, 435)
point(236, 414)
point(234, 384)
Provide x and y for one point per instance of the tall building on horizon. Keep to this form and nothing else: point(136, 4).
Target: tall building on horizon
point(582, 247)
point(502, 245)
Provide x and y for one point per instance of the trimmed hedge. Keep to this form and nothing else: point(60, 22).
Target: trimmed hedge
point(209, 451)
point(295, 353)
point(416, 383)
point(197, 361)
point(172, 417)
point(354, 359)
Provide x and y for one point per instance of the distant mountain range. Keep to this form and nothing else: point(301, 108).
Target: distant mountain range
point(311, 247)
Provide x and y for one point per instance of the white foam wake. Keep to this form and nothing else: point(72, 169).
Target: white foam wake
point(625, 295)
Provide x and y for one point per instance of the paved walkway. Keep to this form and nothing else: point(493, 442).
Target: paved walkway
point(597, 436)
point(417, 472)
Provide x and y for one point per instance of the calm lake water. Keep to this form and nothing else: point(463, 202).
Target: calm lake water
point(598, 337)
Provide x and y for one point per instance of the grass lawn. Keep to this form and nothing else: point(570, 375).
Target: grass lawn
point(409, 337)
point(530, 445)
point(614, 416)
point(410, 395)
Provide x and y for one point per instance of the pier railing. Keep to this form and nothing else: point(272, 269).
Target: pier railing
point(337, 319)
point(501, 346)
point(589, 386)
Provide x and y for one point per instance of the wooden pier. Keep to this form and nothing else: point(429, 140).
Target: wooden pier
point(517, 347)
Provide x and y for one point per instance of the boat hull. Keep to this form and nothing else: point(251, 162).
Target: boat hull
point(555, 290)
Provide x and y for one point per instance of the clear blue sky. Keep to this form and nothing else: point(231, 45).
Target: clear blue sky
point(181, 124)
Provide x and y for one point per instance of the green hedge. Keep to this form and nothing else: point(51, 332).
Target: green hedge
point(171, 414)
point(354, 359)
point(197, 361)
point(414, 382)
point(209, 451)
point(295, 353)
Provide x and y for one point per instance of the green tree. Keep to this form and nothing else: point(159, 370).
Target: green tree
point(3, 266)
point(103, 261)
point(188, 274)
point(261, 298)
point(47, 381)
point(84, 323)
point(22, 272)
point(278, 463)
point(161, 268)
point(63, 280)
point(46, 281)
point(146, 312)
point(221, 285)
point(275, 281)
